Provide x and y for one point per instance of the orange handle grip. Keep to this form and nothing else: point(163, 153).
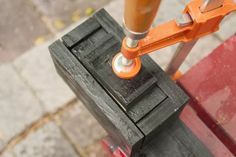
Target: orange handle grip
point(139, 14)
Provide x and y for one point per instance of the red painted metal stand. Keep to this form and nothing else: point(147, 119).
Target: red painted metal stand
point(211, 84)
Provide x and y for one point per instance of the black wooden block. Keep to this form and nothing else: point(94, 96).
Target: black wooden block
point(175, 140)
point(148, 91)
point(118, 125)
point(133, 112)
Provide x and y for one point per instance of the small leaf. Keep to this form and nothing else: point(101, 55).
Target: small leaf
point(89, 11)
point(75, 16)
point(58, 24)
point(40, 40)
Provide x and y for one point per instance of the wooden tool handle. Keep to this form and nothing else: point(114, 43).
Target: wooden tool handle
point(139, 14)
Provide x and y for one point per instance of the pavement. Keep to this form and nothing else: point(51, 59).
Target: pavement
point(27, 23)
point(39, 114)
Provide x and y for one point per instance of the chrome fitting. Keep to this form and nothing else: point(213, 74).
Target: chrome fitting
point(131, 43)
point(134, 35)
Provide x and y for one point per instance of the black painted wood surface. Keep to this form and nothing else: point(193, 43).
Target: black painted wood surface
point(97, 101)
point(176, 140)
point(134, 112)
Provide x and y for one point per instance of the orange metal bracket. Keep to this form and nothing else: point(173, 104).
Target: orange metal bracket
point(176, 76)
point(170, 33)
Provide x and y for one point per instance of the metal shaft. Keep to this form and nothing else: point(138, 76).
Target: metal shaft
point(131, 43)
point(185, 48)
point(179, 57)
point(138, 18)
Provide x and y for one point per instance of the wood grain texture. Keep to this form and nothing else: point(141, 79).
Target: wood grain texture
point(98, 102)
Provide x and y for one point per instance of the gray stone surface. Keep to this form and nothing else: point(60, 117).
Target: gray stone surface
point(8, 154)
point(48, 141)
point(168, 10)
point(203, 48)
point(37, 68)
point(228, 27)
point(39, 20)
point(81, 127)
point(20, 25)
point(18, 106)
point(163, 56)
point(116, 10)
point(66, 11)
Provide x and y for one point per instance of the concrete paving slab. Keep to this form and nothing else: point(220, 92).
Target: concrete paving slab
point(37, 68)
point(168, 10)
point(95, 150)
point(203, 48)
point(8, 154)
point(228, 27)
point(116, 10)
point(48, 141)
point(19, 107)
point(62, 13)
point(20, 26)
point(163, 56)
point(81, 127)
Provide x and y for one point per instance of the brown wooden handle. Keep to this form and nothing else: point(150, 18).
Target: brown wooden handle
point(139, 14)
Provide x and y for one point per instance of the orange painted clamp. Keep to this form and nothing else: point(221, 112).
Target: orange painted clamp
point(170, 33)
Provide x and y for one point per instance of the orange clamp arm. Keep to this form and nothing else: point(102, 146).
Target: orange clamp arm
point(171, 33)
